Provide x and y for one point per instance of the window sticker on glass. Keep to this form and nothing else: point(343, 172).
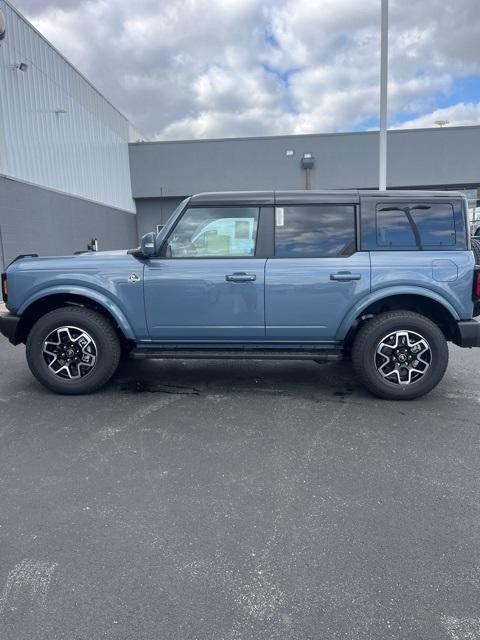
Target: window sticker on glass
point(279, 217)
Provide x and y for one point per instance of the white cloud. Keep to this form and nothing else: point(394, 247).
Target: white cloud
point(457, 115)
point(206, 68)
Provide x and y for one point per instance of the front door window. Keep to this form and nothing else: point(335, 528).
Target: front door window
point(216, 232)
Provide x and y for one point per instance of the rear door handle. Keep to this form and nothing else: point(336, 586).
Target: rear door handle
point(241, 276)
point(345, 276)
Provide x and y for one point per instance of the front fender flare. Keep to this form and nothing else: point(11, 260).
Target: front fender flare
point(101, 299)
point(381, 294)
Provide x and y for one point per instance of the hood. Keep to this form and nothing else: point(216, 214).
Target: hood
point(101, 254)
point(87, 260)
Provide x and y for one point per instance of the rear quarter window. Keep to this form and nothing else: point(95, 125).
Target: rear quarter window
point(409, 225)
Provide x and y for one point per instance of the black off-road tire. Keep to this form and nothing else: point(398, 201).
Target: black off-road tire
point(476, 250)
point(107, 344)
point(374, 331)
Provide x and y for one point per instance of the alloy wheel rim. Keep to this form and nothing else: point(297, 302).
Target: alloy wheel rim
point(403, 357)
point(69, 352)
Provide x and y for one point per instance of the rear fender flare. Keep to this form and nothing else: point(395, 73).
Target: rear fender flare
point(350, 318)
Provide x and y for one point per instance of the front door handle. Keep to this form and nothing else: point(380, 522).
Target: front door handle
point(241, 276)
point(345, 276)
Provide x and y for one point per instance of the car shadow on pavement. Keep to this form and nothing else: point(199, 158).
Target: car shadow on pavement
point(194, 377)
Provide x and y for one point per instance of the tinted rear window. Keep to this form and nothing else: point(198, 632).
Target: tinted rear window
point(317, 231)
point(415, 225)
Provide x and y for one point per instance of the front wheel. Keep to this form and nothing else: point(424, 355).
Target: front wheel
point(400, 355)
point(73, 350)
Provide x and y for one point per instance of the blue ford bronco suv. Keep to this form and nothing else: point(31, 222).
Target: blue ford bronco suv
point(385, 279)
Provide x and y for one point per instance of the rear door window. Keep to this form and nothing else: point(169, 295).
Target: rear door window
point(317, 231)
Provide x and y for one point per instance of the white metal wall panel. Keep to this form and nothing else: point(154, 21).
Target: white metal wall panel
point(56, 129)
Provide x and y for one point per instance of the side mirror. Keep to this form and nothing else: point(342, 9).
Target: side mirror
point(147, 245)
point(146, 248)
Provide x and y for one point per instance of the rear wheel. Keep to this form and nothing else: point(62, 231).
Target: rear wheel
point(73, 350)
point(400, 355)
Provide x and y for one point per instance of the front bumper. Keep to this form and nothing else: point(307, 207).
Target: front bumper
point(9, 326)
point(468, 334)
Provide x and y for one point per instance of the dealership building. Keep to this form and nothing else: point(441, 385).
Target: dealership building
point(72, 167)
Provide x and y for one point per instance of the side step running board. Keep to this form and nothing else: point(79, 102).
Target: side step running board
point(320, 355)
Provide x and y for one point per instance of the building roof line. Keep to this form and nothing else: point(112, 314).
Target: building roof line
point(303, 136)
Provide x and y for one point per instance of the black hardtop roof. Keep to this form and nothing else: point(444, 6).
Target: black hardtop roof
point(311, 196)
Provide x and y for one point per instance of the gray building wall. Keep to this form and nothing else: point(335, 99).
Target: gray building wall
point(47, 222)
point(64, 158)
point(165, 172)
point(56, 129)
point(416, 158)
point(154, 211)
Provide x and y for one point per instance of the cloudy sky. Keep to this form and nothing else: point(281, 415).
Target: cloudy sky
point(222, 68)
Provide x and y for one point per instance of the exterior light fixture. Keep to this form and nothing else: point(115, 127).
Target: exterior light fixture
point(289, 152)
point(21, 66)
point(308, 162)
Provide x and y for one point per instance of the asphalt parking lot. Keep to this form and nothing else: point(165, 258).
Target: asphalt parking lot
point(230, 501)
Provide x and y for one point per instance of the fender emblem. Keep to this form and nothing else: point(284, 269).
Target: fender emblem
point(133, 277)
